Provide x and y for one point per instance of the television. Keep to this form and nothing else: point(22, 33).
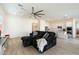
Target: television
point(60, 27)
point(69, 28)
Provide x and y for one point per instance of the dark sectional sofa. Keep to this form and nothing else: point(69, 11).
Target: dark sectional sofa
point(31, 40)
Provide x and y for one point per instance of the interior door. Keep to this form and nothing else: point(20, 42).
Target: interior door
point(35, 27)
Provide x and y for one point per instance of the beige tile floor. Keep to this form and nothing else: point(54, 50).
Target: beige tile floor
point(63, 47)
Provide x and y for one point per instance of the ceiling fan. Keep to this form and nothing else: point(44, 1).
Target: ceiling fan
point(34, 14)
point(37, 13)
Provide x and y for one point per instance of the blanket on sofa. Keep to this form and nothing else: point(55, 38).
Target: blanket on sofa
point(41, 44)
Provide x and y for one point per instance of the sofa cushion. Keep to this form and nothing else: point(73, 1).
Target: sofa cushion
point(51, 34)
point(40, 33)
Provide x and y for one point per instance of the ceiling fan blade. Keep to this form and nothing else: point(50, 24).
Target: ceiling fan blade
point(40, 14)
point(35, 17)
point(32, 10)
point(38, 11)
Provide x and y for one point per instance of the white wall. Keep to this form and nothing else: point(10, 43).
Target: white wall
point(17, 26)
point(74, 28)
point(77, 24)
point(42, 25)
point(2, 19)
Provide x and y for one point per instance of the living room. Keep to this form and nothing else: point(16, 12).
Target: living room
point(20, 20)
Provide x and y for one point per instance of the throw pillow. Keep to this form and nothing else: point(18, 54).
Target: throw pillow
point(46, 35)
point(35, 33)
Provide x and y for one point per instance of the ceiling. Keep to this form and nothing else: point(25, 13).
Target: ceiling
point(51, 10)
